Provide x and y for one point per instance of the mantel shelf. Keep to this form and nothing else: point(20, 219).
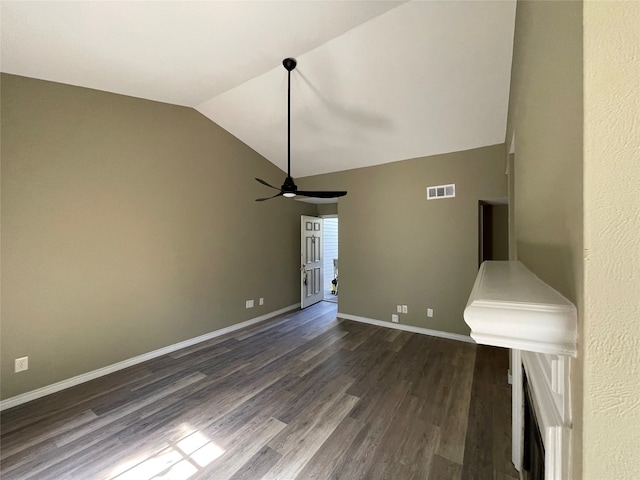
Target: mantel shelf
point(510, 307)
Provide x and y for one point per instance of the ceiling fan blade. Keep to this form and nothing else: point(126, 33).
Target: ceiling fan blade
point(321, 194)
point(268, 198)
point(266, 184)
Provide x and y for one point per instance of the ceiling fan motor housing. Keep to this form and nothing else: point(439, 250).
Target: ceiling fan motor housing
point(288, 186)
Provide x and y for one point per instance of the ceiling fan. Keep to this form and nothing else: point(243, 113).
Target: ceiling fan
point(289, 188)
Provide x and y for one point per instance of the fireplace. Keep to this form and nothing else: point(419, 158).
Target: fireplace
point(541, 388)
point(510, 307)
point(533, 455)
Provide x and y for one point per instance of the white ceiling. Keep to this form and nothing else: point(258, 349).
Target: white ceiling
point(376, 81)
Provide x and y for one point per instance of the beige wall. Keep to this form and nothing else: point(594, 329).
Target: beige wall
point(574, 107)
point(328, 209)
point(611, 328)
point(545, 112)
point(396, 247)
point(128, 225)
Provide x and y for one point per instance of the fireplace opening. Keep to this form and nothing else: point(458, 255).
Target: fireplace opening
point(533, 460)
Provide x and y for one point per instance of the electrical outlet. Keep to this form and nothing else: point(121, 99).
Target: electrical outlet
point(394, 318)
point(429, 312)
point(249, 304)
point(22, 364)
point(405, 309)
point(399, 308)
point(261, 301)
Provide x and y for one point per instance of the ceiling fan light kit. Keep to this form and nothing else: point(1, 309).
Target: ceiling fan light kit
point(289, 189)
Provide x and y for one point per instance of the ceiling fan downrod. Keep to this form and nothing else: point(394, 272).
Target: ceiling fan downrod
point(289, 64)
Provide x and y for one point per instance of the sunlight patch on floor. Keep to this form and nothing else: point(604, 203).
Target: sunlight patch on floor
point(178, 461)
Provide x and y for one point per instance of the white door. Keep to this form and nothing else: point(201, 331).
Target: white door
point(311, 280)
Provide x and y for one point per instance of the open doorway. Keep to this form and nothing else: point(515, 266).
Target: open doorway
point(493, 230)
point(330, 258)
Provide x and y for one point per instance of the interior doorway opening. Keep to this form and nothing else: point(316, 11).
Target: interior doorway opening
point(493, 230)
point(330, 258)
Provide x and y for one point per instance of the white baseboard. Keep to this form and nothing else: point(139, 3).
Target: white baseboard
point(408, 328)
point(85, 377)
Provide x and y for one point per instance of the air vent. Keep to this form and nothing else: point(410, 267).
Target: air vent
point(441, 191)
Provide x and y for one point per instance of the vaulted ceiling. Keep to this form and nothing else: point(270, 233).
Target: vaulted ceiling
point(376, 81)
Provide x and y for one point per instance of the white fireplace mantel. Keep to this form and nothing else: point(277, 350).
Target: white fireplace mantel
point(510, 307)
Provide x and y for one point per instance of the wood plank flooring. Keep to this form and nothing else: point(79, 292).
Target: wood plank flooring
point(304, 395)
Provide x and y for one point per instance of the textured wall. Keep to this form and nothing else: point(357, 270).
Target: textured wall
point(128, 225)
point(397, 247)
point(612, 240)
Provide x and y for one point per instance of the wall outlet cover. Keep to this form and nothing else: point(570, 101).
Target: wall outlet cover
point(429, 312)
point(405, 309)
point(394, 318)
point(399, 308)
point(22, 364)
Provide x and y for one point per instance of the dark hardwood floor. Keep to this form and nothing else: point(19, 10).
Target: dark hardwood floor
point(304, 395)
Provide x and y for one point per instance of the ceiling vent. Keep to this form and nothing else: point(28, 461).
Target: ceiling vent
point(441, 191)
